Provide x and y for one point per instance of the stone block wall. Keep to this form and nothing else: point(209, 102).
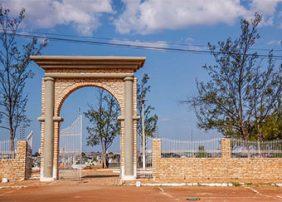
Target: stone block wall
point(18, 168)
point(222, 169)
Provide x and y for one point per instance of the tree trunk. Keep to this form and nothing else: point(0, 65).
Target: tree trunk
point(12, 143)
point(104, 159)
point(260, 139)
point(12, 135)
point(246, 139)
point(260, 134)
point(104, 156)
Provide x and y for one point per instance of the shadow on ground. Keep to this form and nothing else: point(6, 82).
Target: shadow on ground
point(98, 176)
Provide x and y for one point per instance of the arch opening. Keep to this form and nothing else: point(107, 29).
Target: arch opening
point(76, 88)
point(77, 147)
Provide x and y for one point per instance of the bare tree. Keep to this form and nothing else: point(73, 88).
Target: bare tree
point(243, 90)
point(14, 72)
point(104, 126)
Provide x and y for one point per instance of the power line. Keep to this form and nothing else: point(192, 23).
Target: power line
point(148, 42)
point(167, 42)
point(128, 45)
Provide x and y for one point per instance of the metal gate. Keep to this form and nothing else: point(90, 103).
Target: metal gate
point(70, 156)
point(144, 170)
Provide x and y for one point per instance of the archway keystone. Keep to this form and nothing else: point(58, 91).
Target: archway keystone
point(65, 74)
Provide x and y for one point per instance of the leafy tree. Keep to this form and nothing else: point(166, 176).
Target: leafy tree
point(143, 88)
point(243, 92)
point(272, 127)
point(104, 126)
point(84, 157)
point(201, 152)
point(14, 72)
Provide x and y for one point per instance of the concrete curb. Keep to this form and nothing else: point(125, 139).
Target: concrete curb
point(175, 184)
point(279, 184)
point(12, 187)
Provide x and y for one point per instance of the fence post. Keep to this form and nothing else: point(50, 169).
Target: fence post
point(226, 148)
point(21, 158)
point(156, 156)
point(21, 150)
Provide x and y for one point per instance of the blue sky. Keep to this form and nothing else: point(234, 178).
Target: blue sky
point(158, 23)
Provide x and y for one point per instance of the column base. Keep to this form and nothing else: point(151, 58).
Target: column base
point(128, 177)
point(47, 179)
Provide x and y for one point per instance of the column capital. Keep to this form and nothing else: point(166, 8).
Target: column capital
point(41, 119)
point(48, 78)
point(129, 78)
point(120, 118)
point(55, 119)
point(136, 118)
point(58, 119)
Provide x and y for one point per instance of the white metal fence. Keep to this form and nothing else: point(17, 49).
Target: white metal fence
point(254, 149)
point(148, 153)
point(29, 139)
point(5, 151)
point(70, 150)
point(145, 172)
point(196, 149)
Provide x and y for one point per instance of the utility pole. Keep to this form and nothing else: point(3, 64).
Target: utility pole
point(143, 135)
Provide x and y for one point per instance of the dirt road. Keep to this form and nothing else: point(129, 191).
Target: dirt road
point(104, 185)
point(87, 190)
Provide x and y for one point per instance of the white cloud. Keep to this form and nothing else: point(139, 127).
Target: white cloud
point(83, 15)
point(265, 7)
point(279, 20)
point(186, 45)
point(141, 16)
point(275, 42)
point(151, 44)
point(154, 15)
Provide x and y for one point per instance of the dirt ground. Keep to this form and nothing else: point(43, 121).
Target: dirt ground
point(105, 186)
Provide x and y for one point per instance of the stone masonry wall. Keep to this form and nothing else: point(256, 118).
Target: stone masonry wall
point(224, 169)
point(18, 168)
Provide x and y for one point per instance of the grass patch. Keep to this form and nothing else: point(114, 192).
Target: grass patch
point(193, 199)
point(236, 184)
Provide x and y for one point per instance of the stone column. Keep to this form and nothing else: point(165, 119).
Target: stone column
point(48, 151)
point(128, 130)
point(57, 123)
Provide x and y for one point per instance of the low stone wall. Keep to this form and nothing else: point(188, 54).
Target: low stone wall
point(18, 168)
point(223, 169)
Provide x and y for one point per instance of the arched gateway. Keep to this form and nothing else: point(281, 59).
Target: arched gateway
point(65, 74)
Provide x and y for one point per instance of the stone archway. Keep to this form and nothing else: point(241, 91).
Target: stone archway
point(65, 74)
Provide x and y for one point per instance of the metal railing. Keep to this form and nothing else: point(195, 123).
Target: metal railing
point(5, 151)
point(29, 139)
point(148, 154)
point(70, 153)
point(256, 149)
point(191, 149)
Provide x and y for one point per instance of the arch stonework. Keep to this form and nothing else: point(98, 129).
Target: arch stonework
point(64, 75)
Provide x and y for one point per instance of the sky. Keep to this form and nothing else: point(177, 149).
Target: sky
point(189, 24)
